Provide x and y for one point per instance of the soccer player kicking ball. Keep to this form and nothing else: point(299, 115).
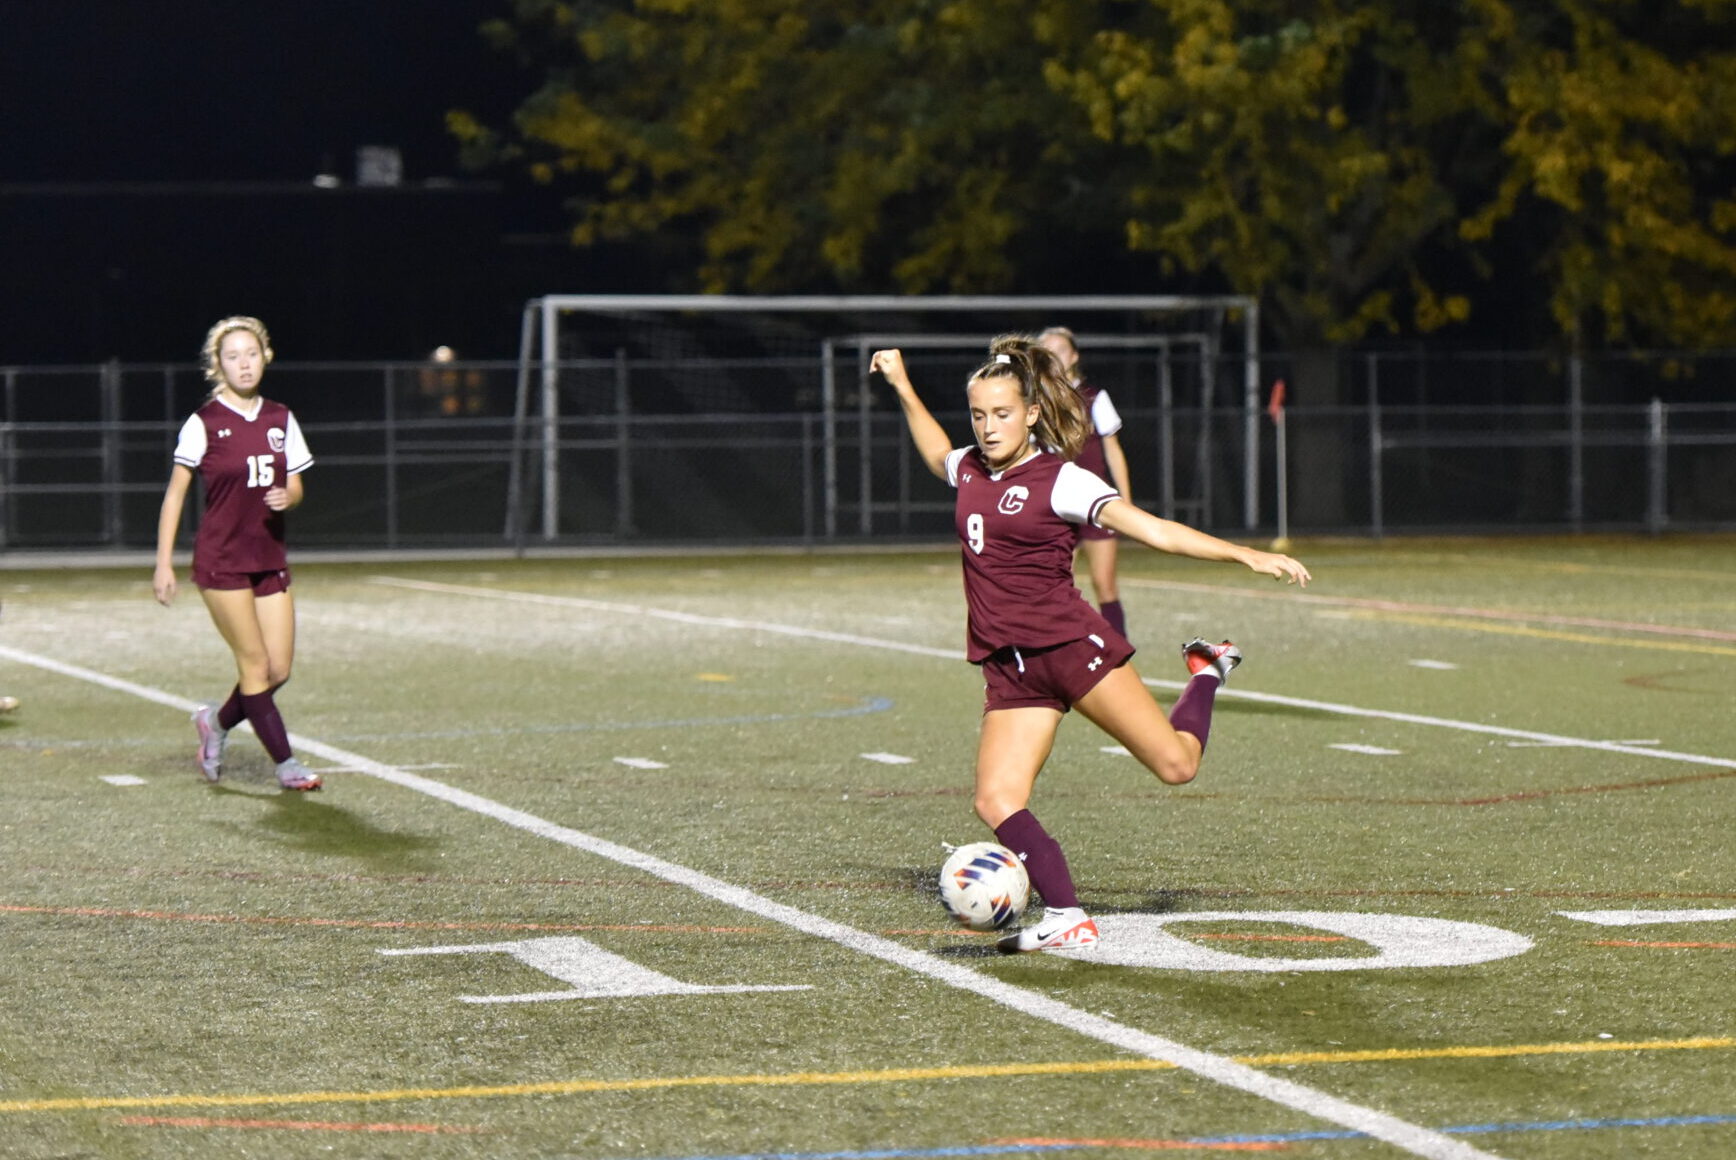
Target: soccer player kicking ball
point(1042, 648)
point(249, 453)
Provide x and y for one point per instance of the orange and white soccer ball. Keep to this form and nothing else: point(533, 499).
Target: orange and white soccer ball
point(984, 886)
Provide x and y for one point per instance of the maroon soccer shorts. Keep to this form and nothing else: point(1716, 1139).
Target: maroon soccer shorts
point(263, 583)
point(1054, 677)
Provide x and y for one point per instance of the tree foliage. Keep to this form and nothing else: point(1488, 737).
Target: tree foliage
point(1357, 165)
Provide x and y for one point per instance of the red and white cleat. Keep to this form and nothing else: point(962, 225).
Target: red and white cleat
point(1202, 656)
point(1058, 930)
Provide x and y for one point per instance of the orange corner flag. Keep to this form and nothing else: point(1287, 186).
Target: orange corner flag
point(1275, 407)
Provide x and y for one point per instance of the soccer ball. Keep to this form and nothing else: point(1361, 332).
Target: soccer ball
point(984, 886)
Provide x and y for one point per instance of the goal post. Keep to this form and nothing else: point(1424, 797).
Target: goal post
point(537, 414)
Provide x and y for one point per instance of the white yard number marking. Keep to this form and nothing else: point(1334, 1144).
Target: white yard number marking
point(592, 972)
point(973, 528)
point(1140, 940)
point(260, 472)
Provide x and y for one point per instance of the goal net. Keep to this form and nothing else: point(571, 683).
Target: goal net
point(722, 417)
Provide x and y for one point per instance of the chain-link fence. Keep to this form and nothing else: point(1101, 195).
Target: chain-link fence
point(719, 450)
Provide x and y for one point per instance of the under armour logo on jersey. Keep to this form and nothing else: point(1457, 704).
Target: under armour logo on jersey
point(1092, 667)
point(1013, 499)
point(224, 433)
point(966, 477)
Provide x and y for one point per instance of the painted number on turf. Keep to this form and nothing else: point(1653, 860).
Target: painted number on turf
point(590, 971)
point(260, 472)
point(1399, 940)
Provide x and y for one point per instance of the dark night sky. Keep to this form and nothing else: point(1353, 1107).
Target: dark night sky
point(240, 106)
point(124, 90)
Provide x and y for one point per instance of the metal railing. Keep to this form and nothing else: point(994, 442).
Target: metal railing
point(417, 455)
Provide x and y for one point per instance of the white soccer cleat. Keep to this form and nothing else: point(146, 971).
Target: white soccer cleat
point(292, 774)
point(212, 738)
point(7, 704)
point(1201, 655)
point(1058, 930)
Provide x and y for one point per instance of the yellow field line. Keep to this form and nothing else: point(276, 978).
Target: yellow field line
point(1545, 633)
point(803, 1079)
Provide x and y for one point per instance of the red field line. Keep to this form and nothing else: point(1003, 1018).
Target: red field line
point(363, 923)
point(1326, 938)
point(1702, 946)
point(296, 1125)
point(433, 879)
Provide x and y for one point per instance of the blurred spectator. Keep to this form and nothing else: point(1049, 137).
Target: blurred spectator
point(449, 389)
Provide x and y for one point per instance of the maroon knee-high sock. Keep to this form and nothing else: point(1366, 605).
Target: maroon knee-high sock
point(1192, 711)
point(1111, 610)
point(1025, 836)
point(232, 713)
point(268, 724)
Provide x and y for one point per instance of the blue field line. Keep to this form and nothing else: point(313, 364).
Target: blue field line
point(1276, 1138)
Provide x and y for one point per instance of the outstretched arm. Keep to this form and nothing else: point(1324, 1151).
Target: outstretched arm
point(926, 432)
point(1178, 539)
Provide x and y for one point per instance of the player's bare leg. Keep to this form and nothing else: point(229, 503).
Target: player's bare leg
point(1124, 708)
point(1011, 750)
point(276, 615)
point(253, 627)
point(234, 612)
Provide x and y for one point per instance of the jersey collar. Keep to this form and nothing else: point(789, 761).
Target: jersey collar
point(250, 416)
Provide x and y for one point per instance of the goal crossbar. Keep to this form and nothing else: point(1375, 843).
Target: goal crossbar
point(539, 353)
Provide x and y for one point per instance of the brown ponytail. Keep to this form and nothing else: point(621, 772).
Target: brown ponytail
point(1062, 424)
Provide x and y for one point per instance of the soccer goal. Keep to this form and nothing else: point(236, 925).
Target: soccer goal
point(633, 395)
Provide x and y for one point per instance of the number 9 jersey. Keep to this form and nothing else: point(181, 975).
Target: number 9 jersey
point(1019, 527)
point(239, 457)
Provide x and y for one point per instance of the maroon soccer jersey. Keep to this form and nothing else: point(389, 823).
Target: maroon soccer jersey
point(1018, 533)
point(239, 457)
point(1105, 420)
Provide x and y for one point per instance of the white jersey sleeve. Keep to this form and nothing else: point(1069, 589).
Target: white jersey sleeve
point(190, 444)
point(1079, 495)
point(1105, 419)
point(296, 457)
point(953, 459)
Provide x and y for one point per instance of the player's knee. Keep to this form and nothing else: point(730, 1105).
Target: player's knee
point(277, 674)
point(254, 668)
point(995, 808)
point(1177, 770)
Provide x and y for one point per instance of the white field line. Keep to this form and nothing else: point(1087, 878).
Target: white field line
point(953, 654)
point(1436, 609)
point(1552, 739)
point(1402, 1134)
point(663, 614)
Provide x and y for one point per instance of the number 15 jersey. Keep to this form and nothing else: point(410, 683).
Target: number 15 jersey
point(239, 457)
point(1018, 529)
